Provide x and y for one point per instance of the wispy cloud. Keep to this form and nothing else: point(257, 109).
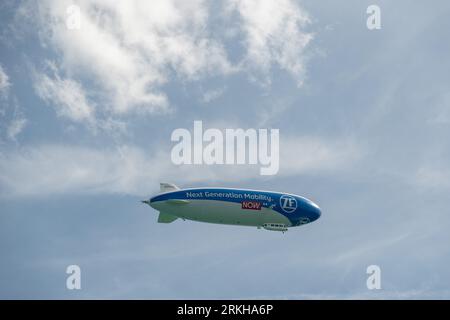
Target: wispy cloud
point(56, 169)
point(13, 120)
point(274, 35)
point(67, 96)
point(311, 154)
point(123, 55)
point(131, 50)
point(211, 95)
point(15, 127)
point(4, 82)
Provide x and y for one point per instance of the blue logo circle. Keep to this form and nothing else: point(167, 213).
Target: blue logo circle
point(288, 203)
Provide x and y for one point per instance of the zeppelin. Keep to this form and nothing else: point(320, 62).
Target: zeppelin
point(270, 210)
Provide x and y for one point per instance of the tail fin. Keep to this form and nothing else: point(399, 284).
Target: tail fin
point(166, 187)
point(166, 217)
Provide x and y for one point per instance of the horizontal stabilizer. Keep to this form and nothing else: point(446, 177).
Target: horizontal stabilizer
point(166, 217)
point(166, 187)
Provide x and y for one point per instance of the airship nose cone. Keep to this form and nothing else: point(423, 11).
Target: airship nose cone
point(315, 210)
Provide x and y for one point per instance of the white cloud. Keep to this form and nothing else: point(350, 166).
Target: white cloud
point(304, 155)
point(130, 48)
point(67, 96)
point(9, 108)
point(15, 128)
point(125, 52)
point(56, 169)
point(4, 82)
point(274, 35)
point(211, 95)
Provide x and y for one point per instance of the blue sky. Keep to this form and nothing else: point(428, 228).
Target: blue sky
point(85, 122)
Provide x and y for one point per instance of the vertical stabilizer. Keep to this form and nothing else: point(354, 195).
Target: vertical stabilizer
point(166, 187)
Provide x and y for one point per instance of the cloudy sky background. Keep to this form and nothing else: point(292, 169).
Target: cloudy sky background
point(85, 123)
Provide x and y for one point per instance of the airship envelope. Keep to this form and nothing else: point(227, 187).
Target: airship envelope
point(270, 210)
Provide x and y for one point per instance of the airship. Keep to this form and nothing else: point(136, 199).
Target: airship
point(274, 211)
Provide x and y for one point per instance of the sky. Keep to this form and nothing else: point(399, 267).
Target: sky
point(87, 112)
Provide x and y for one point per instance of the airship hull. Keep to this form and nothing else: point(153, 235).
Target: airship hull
point(267, 209)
